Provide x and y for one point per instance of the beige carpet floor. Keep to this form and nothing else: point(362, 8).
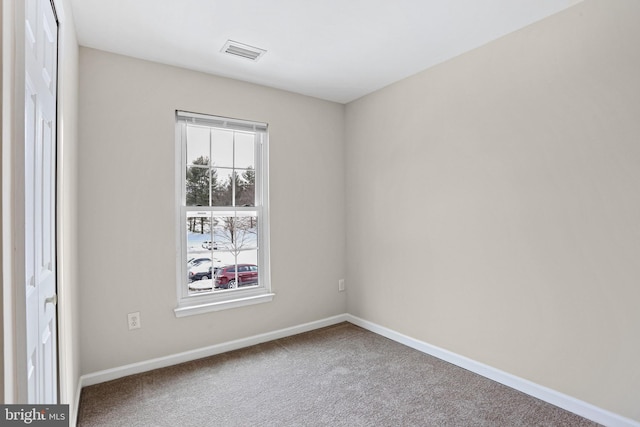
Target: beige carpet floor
point(337, 376)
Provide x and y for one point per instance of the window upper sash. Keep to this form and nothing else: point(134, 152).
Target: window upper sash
point(220, 122)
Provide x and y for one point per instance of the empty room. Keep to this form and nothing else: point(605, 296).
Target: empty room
point(283, 212)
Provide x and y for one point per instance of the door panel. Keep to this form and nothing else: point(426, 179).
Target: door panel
point(39, 193)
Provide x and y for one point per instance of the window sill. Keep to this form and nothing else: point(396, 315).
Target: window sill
point(206, 307)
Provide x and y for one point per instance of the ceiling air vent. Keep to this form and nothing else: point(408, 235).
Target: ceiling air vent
point(243, 50)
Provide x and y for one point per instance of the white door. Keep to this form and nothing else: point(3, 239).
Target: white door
point(41, 40)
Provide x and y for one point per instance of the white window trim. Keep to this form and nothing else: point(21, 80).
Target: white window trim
point(192, 304)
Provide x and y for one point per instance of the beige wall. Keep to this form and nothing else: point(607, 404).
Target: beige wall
point(493, 204)
point(126, 211)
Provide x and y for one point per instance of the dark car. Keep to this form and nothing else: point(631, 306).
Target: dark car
point(228, 278)
point(201, 274)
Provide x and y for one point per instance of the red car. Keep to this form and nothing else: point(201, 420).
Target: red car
point(228, 278)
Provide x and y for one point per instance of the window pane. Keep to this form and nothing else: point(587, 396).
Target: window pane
point(199, 251)
point(242, 273)
point(244, 150)
point(199, 232)
point(249, 275)
point(249, 257)
point(222, 148)
point(246, 231)
point(245, 187)
point(225, 231)
point(222, 190)
point(197, 186)
point(197, 145)
point(222, 225)
point(236, 232)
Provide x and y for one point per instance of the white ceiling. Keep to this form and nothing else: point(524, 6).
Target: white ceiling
point(337, 50)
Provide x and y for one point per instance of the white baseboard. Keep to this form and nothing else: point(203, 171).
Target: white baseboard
point(187, 356)
point(76, 405)
point(548, 395)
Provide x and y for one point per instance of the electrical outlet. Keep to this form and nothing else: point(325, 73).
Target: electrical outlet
point(134, 320)
point(341, 285)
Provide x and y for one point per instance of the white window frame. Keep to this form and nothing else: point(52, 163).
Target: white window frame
point(190, 303)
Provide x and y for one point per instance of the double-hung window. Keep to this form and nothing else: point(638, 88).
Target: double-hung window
point(223, 227)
